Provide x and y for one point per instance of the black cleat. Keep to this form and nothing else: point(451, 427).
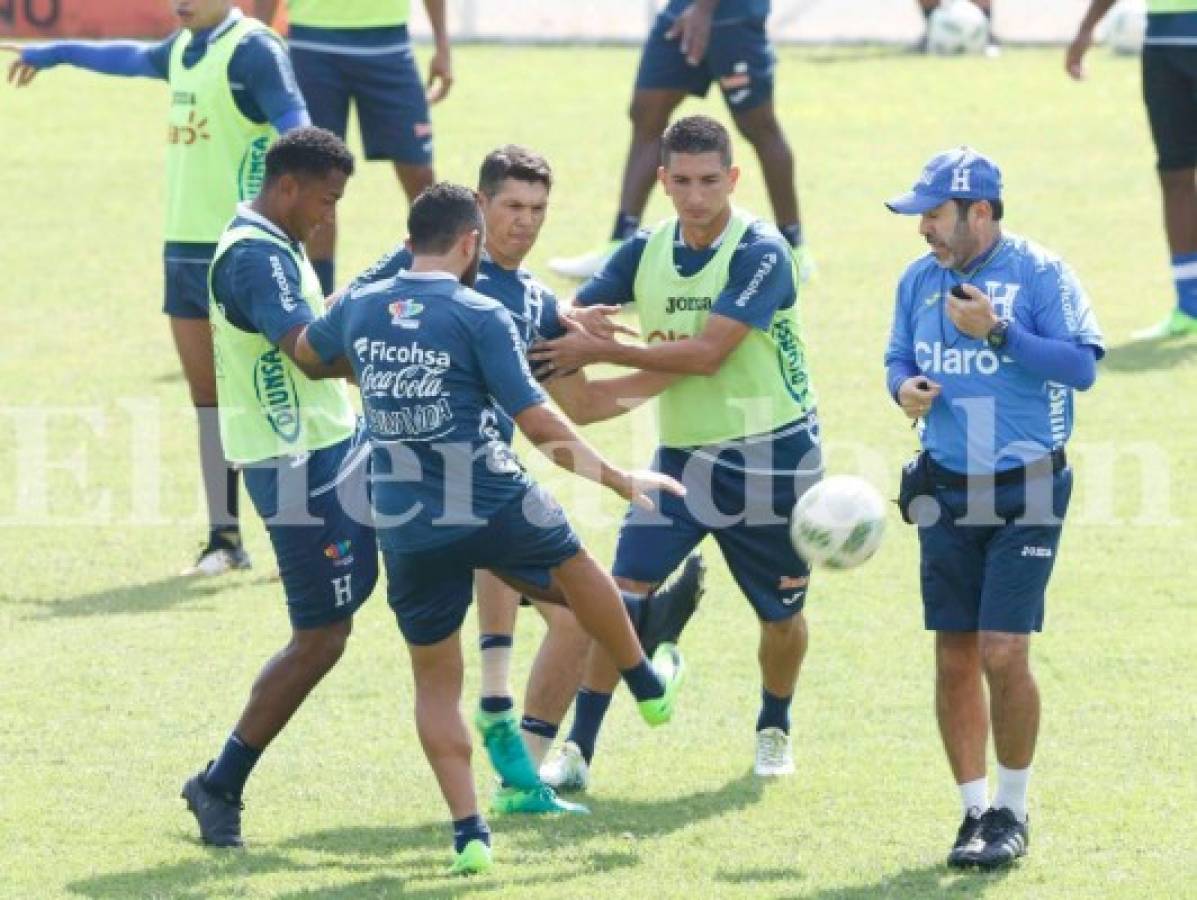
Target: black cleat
point(219, 817)
point(1004, 839)
point(968, 843)
point(668, 610)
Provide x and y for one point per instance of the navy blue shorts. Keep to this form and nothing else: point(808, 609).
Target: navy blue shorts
point(992, 577)
point(317, 514)
point(430, 590)
point(185, 287)
point(742, 493)
point(392, 110)
point(739, 57)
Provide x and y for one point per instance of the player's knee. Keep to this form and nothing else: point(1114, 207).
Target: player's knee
point(788, 630)
point(1004, 655)
point(760, 126)
point(649, 116)
point(1179, 181)
point(323, 647)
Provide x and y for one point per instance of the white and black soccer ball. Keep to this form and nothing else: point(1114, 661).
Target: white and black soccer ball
point(838, 523)
point(956, 27)
point(1126, 27)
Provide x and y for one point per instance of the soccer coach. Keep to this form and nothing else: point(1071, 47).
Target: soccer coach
point(991, 335)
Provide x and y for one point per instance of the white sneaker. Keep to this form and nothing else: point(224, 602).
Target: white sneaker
point(774, 753)
point(585, 266)
point(804, 261)
point(217, 562)
point(566, 771)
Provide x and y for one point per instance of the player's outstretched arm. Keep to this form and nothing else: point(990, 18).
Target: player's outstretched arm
point(1074, 57)
point(586, 401)
point(296, 345)
point(554, 437)
point(702, 354)
point(131, 59)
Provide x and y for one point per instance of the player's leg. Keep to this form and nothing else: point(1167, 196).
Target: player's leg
point(498, 605)
point(323, 80)
point(394, 117)
point(663, 79)
point(744, 62)
point(1170, 94)
point(555, 678)
point(1018, 564)
point(192, 334)
point(323, 589)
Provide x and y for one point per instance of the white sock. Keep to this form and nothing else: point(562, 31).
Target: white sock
point(538, 746)
point(496, 670)
point(974, 796)
point(1012, 791)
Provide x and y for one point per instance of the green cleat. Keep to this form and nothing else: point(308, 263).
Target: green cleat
point(1178, 324)
point(512, 801)
point(474, 858)
point(508, 754)
point(672, 670)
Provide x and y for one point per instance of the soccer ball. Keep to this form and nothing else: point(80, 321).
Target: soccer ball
point(1126, 27)
point(955, 27)
point(838, 523)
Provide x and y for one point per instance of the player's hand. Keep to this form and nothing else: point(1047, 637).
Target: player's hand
point(598, 320)
point(440, 75)
point(20, 73)
point(636, 486)
point(916, 394)
point(576, 348)
point(1074, 58)
point(693, 27)
point(974, 316)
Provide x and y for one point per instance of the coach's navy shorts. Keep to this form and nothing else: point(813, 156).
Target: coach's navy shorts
point(739, 57)
point(430, 590)
point(185, 284)
point(743, 493)
point(328, 565)
point(1170, 93)
point(992, 577)
point(392, 110)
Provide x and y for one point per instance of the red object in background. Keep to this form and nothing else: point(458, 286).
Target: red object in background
point(89, 18)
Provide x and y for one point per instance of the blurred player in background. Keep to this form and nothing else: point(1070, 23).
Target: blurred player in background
point(359, 51)
point(231, 90)
point(692, 44)
point(1170, 93)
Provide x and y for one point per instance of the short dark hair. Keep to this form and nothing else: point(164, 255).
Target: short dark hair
point(308, 151)
point(513, 161)
point(963, 205)
point(696, 134)
point(441, 215)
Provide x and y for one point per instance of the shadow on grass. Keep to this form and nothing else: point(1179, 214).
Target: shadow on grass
point(1149, 356)
point(150, 597)
point(925, 881)
point(421, 852)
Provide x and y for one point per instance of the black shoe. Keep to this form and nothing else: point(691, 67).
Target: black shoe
point(1004, 839)
point(968, 843)
point(668, 610)
point(219, 817)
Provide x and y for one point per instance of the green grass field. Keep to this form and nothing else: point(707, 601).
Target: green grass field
point(117, 680)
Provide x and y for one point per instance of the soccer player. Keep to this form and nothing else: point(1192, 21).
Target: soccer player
point(1170, 93)
point(991, 335)
point(436, 362)
point(693, 43)
point(514, 185)
point(232, 90)
point(717, 295)
point(360, 51)
point(295, 437)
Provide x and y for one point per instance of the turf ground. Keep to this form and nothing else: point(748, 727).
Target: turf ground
point(117, 680)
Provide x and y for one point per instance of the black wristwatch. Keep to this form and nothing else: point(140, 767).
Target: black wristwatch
point(998, 335)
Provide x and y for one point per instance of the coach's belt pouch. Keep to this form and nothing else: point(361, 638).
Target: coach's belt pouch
point(916, 482)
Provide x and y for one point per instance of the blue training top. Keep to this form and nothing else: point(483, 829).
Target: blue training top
point(997, 410)
point(436, 363)
point(533, 307)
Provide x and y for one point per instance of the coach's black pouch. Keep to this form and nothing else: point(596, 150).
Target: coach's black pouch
point(916, 482)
